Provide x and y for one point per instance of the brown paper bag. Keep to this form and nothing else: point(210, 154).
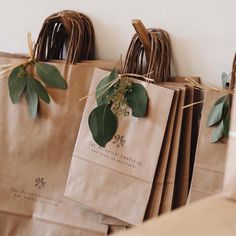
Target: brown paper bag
point(210, 157)
point(197, 112)
point(158, 182)
point(184, 155)
point(36, 154)
point(168, 191)
point(123, 174)
point(182, 179)
point(189, 132)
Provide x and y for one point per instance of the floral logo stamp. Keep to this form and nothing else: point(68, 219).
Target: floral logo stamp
point(40, 183)
point(119, 140)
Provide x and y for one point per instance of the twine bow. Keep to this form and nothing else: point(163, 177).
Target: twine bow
point(8, 67)
point(110, 84)
point(229, 90)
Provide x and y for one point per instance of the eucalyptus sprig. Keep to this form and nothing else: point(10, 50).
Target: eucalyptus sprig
point(115, 95)
point(24, 80)
point(219, 116)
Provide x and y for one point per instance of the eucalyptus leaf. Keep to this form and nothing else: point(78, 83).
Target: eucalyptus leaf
point(226, 125)
point(50, 75)
point(137, 99)
point(218, 132)
point(103, 91)
point(38, 88)
point(225, 80)
point(215, 114)
point(103, 124)
point(32, 100)
point(16, 84)
point(221, 99)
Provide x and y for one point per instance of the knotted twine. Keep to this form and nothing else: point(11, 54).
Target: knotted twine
point(229, 90)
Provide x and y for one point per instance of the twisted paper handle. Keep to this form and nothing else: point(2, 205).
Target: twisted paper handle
point(66, 32)
point(159, 59)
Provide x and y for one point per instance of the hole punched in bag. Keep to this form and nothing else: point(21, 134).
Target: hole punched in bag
point(66, 35)
point(149, 53)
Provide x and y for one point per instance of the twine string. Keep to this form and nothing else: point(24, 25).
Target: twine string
point(8, 67)
point(111, 83)
point(198, 86)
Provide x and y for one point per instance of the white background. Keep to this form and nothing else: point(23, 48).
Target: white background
point(203, 32)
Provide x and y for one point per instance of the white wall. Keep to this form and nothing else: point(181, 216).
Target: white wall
point(203, 32)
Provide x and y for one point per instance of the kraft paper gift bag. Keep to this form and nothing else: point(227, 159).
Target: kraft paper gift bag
point(168, 190)
point(189, 134)
point(36, 153)
point(182, 179)
point(197, 112)
point(210, 158)
point(184, 157)
point(158, 182)
point(150, 53)
point(116, 180)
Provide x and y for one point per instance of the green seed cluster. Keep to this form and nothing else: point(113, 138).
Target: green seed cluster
point(22, 73)
point(118, 99)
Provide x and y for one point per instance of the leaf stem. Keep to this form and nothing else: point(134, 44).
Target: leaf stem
point(110, 85)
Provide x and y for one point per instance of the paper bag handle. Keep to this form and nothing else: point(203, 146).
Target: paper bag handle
point(66, 32)
point(152, 44)
point(143, 36)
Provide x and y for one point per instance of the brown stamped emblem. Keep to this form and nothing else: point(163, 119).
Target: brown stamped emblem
point(40, 183)
point(119, 140)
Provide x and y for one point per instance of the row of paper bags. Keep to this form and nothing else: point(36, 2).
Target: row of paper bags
point(112, 181)
point(81, 187)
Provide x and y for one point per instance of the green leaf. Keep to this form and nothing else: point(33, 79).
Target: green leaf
point(137, 99)
point(32, 100)
point(216, 113)
point(50, 75)
point(218, 132)
point(103, 124)
point(226, 125)
point(225, 80)
point(221, 99)
point(16, 83)
point(39, 89)
point(102, 91)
